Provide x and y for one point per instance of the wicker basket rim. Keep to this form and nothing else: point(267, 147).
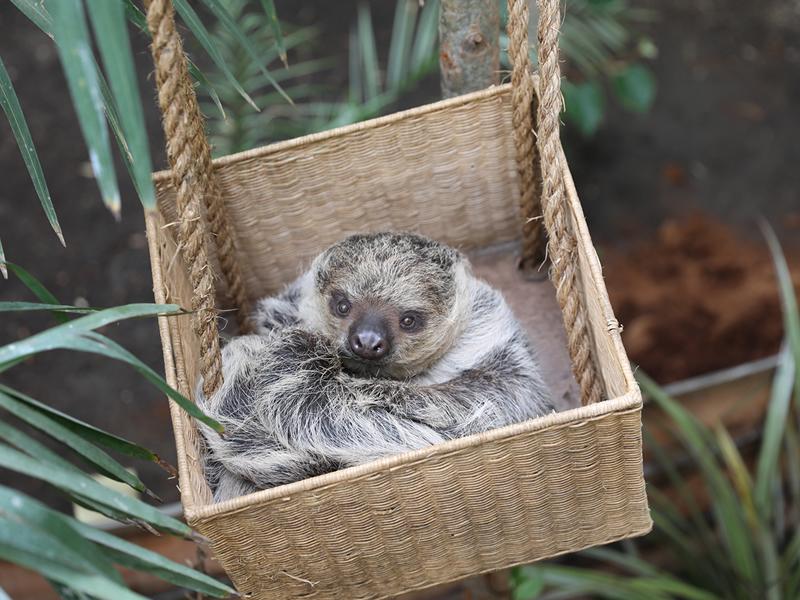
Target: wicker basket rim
point(164, 177)
point(630, 399)
point(629, 402)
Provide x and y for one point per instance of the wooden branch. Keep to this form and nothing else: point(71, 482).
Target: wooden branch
point(469, 49)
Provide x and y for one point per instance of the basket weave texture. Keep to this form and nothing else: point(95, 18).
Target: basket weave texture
point(556, 484)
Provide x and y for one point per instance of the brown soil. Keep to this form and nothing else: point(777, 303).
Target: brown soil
point(695, 298)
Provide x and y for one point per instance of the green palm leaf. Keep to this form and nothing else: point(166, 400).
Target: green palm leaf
point(19, 127)
point(368, 52)
point(31, 447)
point(228, 22)
point(108, 21)
point(773, 432)
point(87, 450)
point(193, 22)
point(90, 432)
point(791, 314)
point(78, 335)
point(37, 306)
point(40, 552)
point(405, 15)
point(36, 11)
point(74, 48)
point(617, 587)
point(115, 549)
point(79, 484)
point(723, 499)
point(17, 506)
point(423, 53)
point(135, 557)
point(275, 25)
point(37, 287)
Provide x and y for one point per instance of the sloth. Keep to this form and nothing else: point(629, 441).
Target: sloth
point(387, 344)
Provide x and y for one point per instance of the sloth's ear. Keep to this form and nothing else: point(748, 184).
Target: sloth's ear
point(321, 270)
point(446, 257)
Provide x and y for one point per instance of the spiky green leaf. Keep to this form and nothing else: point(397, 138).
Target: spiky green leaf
point(791, 314)
point(405, 15)
point(38, 306)
point(82, 485)
point(773, 432)
point(19, 127)
point(36, 11)
point(275, 25)
point(108, 21)
point(369, 52)
point(40, 552)
point(78, 335)
point(193, 22)
point(87, 450)
point(424, 51)
point(90, 432)
point(725, 504)
point(135, 557)
point(22, 441)
point(75, 51)
point(219, 11)
point(19, 507)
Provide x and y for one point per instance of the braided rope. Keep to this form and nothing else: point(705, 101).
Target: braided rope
point(182, 93)
point(524, 143)
point(190, 160)
point(562, 244)
point(223, 235)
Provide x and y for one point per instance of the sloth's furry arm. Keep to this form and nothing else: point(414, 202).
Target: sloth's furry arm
point(277, 312)
point(501, 388)
point(290, 413)
point(288, 387)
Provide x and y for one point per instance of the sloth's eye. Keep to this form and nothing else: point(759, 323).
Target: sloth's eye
point(342, 307)
point(408, 321)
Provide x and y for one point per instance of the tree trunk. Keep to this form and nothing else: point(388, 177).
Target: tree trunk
point(469, 49)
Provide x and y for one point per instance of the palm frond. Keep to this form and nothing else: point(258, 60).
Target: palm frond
point(412, 55)
point(74, 46)
point(73, 556)
point(19, 127)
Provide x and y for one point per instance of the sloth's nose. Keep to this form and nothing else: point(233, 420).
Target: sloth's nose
point(369, 343)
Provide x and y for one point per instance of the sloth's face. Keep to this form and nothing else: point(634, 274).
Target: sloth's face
point(389, 302)
point(374, 336)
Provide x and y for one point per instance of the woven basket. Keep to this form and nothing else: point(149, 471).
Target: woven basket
point(455, 171)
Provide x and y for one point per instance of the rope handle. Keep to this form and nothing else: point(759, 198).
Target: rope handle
point(201, 210)
point(562, 245)
point(528, 168)
point(199, 200)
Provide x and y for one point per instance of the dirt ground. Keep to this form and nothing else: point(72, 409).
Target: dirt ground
point(694, 298)
point(721, 138)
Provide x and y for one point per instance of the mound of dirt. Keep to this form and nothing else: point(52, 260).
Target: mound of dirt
point(695, 298)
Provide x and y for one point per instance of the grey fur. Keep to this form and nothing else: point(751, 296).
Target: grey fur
point(296, 402)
